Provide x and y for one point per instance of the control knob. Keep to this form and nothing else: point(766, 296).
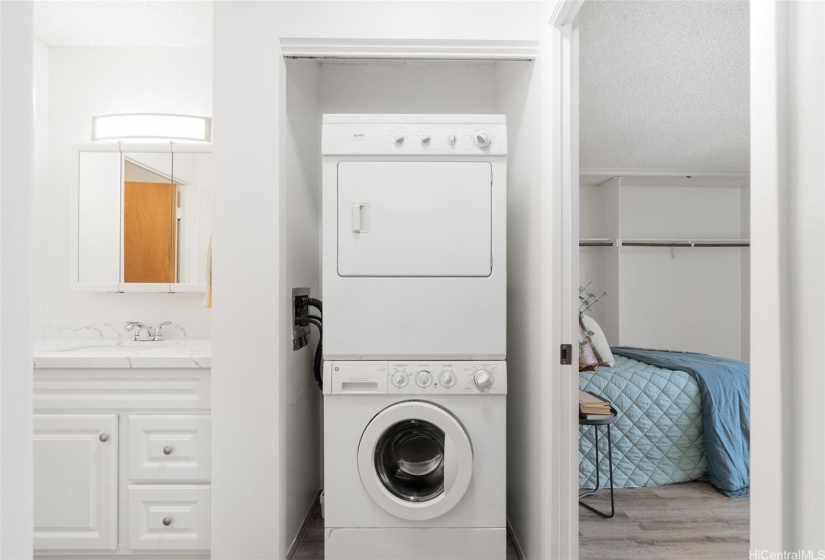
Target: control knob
point(482, 138)
point(399, 140)
point(451, 139)
point(426, 139)
point(483, 379)
point(423, 378)
point(399, 379)
point(447, 379)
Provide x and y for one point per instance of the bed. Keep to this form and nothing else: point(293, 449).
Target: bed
point(659, 437)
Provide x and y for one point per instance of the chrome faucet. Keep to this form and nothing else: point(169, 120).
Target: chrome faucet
point(139, 329)
point(153, 334)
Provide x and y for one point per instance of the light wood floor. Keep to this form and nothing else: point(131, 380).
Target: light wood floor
point(681, 521)
point(690, 520)
point(312, 545)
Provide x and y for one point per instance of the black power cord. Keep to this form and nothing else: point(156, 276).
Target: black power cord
point(318, 322)
point(316, 303)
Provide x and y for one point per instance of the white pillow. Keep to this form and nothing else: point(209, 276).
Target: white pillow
point(598, 340)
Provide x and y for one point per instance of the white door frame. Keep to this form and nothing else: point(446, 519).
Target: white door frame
point(560, 271)
point(772, 469)
point(17, 182)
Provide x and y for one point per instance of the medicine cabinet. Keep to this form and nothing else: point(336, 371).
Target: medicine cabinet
point(142, 217)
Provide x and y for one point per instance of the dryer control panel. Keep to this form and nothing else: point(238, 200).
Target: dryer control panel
point(463, 137)
point(416, 378)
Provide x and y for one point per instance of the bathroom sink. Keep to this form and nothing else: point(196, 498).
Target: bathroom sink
point(129, 347)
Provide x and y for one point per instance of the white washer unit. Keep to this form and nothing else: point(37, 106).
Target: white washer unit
point(415, 460)
point(414, 237)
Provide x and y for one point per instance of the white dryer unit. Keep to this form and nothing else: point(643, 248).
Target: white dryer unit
point(415, 460)
point(414, 236)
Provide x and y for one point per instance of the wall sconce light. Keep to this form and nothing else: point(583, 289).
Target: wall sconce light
point(151, 126)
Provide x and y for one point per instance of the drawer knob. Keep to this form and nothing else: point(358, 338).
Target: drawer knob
point(167, 521)
point(167, 450)
point(104, 437)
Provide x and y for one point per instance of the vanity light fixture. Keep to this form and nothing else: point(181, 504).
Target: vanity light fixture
point(151, 126)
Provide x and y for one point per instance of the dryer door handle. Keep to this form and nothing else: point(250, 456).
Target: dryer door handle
point(361, 218)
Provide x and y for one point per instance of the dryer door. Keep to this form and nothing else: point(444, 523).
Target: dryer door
point(415, 460)
point(414, 218)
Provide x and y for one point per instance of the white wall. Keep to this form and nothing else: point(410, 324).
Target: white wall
point(83, 82)
point(518, 91)
point(689, 301)
point(745, 306)
point(408, 86)
point(249, 509)
point(599, 218)
point(680, 212)
point(302, 261)
point(17, 124)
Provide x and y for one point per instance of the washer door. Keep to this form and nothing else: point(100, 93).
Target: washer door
point(415, 460)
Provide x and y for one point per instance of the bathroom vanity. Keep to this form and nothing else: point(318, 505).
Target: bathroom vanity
point(122, 449)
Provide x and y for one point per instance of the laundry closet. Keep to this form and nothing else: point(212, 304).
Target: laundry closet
point(445, 98)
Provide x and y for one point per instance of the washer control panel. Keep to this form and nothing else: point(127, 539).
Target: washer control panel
point(415, 378)
point(468, 378)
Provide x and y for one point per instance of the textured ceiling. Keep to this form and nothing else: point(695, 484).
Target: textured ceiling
point(664, 85)
point(123, 23)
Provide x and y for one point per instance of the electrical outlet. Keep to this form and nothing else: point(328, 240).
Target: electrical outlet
point(300, 331)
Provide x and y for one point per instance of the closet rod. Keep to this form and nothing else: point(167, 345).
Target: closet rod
point(683, 245)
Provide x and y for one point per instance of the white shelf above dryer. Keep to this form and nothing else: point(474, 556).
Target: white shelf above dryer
point(408, 49)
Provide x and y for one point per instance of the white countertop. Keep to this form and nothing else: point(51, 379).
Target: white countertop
point(113, 354)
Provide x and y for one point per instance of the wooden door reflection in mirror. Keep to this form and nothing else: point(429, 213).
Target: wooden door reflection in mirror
point(150, 216)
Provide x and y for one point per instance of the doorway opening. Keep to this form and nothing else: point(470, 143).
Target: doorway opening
point(661, 210)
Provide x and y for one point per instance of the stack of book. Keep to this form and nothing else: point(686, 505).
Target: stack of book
point(592, 407)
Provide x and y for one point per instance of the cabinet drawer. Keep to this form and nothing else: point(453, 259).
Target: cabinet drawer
point(169, 517)
point(169, 448)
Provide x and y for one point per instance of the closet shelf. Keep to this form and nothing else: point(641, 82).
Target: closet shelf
point(597, 242)
point(684, 243)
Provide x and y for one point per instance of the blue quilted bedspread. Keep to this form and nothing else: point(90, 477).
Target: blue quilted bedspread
point(657, 438)
point(724, 386)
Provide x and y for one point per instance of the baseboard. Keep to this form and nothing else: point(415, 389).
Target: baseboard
point(316, 503)
point(514, 540)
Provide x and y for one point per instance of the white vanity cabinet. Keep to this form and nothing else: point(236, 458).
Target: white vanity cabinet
point(122, 461)
point(75, 481)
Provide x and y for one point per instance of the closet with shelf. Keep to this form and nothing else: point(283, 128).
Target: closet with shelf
point(672, 253)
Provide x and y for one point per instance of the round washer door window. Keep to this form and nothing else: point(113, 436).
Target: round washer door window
point(415, 460)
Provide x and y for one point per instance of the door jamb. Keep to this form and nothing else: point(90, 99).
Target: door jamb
point(559, 241)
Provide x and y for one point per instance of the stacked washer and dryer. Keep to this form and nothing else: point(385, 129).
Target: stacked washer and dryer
point(414, 382)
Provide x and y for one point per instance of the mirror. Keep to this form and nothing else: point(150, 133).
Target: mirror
point(144, 220)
